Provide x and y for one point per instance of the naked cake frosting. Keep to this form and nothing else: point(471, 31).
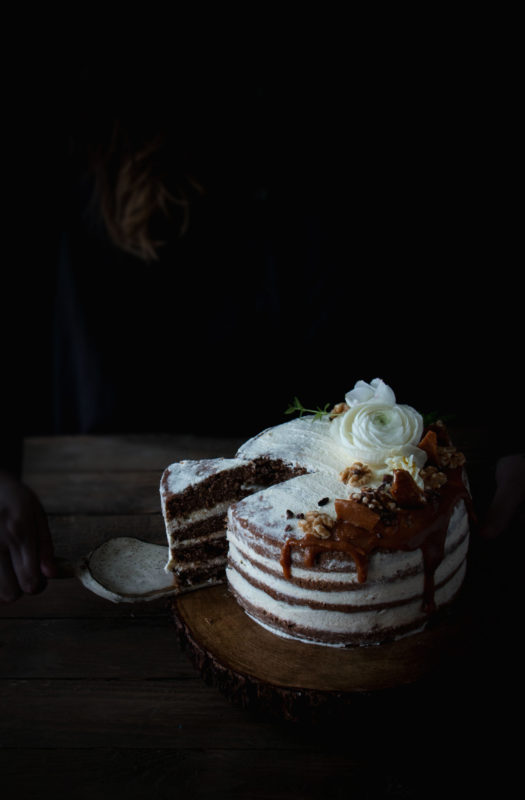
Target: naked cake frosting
point(340, 527)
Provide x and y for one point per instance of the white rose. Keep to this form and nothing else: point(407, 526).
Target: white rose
point(376, 428)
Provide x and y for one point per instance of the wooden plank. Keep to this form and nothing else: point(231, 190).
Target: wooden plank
point(132, 648)
point(329, 770)
point(270, 774)
point(126, 713)
point(135, 452)
point(186, 714)
point(97, 492)
point(75, 535)
point(68, 598)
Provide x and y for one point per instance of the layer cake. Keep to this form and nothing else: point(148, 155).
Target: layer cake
point(340, 528)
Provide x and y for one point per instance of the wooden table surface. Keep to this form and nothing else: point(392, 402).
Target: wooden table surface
point(100, 700)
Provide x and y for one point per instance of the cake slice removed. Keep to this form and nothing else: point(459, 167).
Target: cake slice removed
point(195, 496)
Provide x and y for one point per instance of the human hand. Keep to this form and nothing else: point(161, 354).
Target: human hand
point(509, 497)
point(26, 547)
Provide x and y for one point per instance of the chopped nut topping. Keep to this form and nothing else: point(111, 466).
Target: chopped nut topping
point(317, 524)
point(379, 500)
point(357, 474)
point(450, 457)
point(338, 409)
point(433, 477)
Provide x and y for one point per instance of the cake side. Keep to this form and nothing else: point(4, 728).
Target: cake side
point(195, 496)
point(367, 545)
point(326, 603)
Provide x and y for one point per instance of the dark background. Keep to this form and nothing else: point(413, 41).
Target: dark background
point(361, 221)
point(355, 224)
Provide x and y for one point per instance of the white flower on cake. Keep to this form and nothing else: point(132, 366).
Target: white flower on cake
point(375, 428)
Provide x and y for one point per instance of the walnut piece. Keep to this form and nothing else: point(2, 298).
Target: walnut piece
point(317, 524)
point(357, 474)
point(450, 457)
point(433, 478)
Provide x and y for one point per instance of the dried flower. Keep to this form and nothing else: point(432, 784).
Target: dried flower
point(338, 409)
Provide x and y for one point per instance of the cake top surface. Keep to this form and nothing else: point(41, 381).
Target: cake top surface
point(369, 428)
point(305, 442)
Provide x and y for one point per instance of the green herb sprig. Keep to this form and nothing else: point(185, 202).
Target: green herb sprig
point(318, 413)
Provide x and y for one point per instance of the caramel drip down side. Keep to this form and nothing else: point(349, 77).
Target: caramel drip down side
point(424, 527)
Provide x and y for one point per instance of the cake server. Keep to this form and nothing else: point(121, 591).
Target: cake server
point(123, 570)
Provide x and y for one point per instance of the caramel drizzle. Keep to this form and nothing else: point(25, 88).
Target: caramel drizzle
point(425, 528)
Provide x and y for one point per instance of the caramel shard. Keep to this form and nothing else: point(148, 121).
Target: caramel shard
point(429, 443)
point(441, 432)
point(357, 513)
point(405, 490)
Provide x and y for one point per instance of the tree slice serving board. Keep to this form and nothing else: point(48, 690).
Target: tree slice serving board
point(251, 664)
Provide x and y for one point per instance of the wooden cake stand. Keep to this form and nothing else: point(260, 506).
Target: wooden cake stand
point(256, 668)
